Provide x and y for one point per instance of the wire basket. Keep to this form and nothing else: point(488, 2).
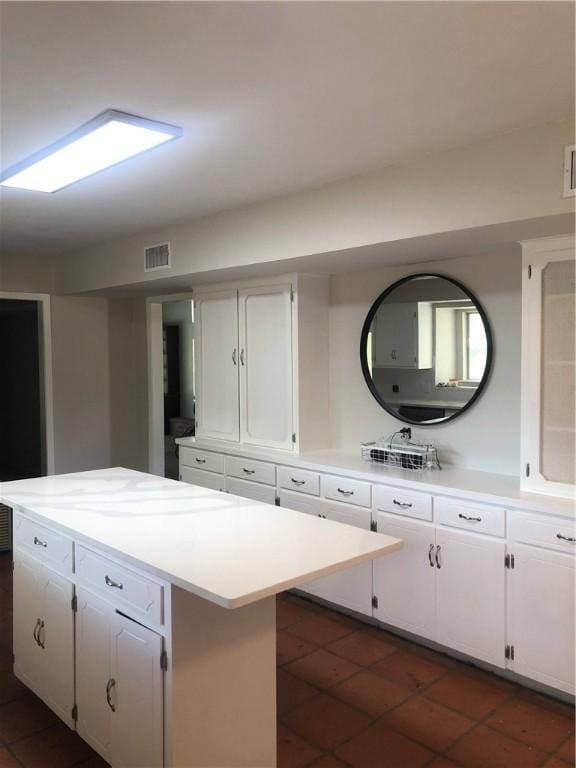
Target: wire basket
point(399, 451)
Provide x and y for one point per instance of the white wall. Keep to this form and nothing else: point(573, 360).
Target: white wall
point(514, 177)
point(486, 437)
point(26, 273)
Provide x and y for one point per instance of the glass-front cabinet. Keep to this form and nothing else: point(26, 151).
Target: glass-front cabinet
point(548, 366)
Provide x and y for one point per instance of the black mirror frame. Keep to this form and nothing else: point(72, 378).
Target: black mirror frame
point(366, 330)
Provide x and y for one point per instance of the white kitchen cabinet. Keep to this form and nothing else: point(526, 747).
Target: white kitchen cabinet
point(93, 645)
point(250, 490)
point(470, 594)
point(549, 366)
point(541, 616)
point(351, 588)
point(135, 691)
point(402, 336)
point(405, 581)
point(44, 633)
point(216, 364)
point(204, 479)
point(266, 399)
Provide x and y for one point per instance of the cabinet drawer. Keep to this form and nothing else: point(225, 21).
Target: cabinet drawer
point(250, 490)
point(299, 480)
point(47, 545)
point(344, 489)
point(202, 478)
point(340, 513)
point(552, 533)
point(134, 594)
point(480, 518)
point(211, 462)
point(246, 469)
point(402, 502)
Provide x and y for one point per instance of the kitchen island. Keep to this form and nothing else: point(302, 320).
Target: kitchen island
point(144, 610)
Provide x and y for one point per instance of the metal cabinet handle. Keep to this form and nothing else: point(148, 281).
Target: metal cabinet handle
point(38, 640)
point(234, 359)
point(297, 482)
point(322, 516)
point(111, 583)
point(565, 538)
point(438, 563)
point(200, 461)
point(471, 519)
point(403, 504)
point(242, 357)
point(109, 685)
point(39, 543)
point(248, 471)
point(35, 631)
point(345, 493)
point(430, 552)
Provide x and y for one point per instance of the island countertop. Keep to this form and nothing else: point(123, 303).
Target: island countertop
point(229, 550)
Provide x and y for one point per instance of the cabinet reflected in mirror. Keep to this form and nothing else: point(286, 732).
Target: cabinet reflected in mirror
point(426, 349)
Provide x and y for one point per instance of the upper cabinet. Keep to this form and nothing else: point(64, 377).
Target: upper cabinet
point(548, 366)
point(402, 336)
point(261, 350)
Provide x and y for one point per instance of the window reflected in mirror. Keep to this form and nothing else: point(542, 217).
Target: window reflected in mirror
point(426, 349)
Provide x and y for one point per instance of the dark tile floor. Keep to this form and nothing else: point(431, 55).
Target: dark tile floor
point(348, 695)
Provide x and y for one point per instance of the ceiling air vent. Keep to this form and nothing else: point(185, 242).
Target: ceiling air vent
point(157, 257)
point(570, 171)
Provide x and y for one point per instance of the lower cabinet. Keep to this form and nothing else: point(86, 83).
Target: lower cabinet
point(351, 588)
point(44, 634)
point(119, 685)
point(444, 585)
point(541, 616)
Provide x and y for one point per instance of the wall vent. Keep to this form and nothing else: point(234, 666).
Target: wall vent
point(570, 171)
point(157, 257)
point(5, 536)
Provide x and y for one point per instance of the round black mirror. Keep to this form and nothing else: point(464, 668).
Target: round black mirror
point(426, 349)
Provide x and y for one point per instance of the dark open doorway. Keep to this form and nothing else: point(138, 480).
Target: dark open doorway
point(21, 406)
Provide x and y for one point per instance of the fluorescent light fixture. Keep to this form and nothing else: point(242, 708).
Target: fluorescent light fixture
point(106, 140)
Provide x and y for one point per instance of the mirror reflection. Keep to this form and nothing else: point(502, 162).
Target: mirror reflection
point(426, 349)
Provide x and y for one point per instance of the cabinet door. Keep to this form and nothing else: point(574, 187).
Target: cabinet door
point(470, 594)
point(395, 336)
point(266, 388)
point(405, 581)
point(541, 616)
point(216, 339)
point(28, 656)
point(136, 693)
point(93, 666)
point(57, 637)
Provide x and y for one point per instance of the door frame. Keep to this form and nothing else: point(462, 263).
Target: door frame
point(46, 379)
point(155, 378)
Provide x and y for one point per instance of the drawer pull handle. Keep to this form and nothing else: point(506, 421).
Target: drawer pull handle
point(471, 519)
point(345, 493)
point(35, 632)
point(248, 471)
point(297, 482)
point(234, 360)
point(242, 356)
point(430, 551)
point(200, 461)
point(322, 516)
point(565, 538)
point(39, 543)
point(109, 685)
point(438, 562)
point(111, 583)
point(403, 504)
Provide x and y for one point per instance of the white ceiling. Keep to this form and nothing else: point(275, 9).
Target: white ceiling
point(273, 97)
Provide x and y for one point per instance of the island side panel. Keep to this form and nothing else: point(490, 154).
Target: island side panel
point(221, 698)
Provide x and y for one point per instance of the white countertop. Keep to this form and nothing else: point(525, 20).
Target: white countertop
point(226, 549)
point(472, 484)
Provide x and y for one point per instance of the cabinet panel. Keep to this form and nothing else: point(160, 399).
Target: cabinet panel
point(543, 531)
point(249, 490)
point(541, 616)
point(402, 336)
point(299, 480)
point(216, 338)
point(44, 544)
point(266, 407)
point(204, 460)
point(480, 518)
point(405, 581)
point(470, 594)
point(136, 692)
point(346, 490)
point(247, 469)
point(27, 598)
point(93, 665)
point(203, 479)
point(403, 502)
point(58, 638)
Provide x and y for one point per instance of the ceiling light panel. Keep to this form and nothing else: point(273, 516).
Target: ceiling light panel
point(108, 139)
